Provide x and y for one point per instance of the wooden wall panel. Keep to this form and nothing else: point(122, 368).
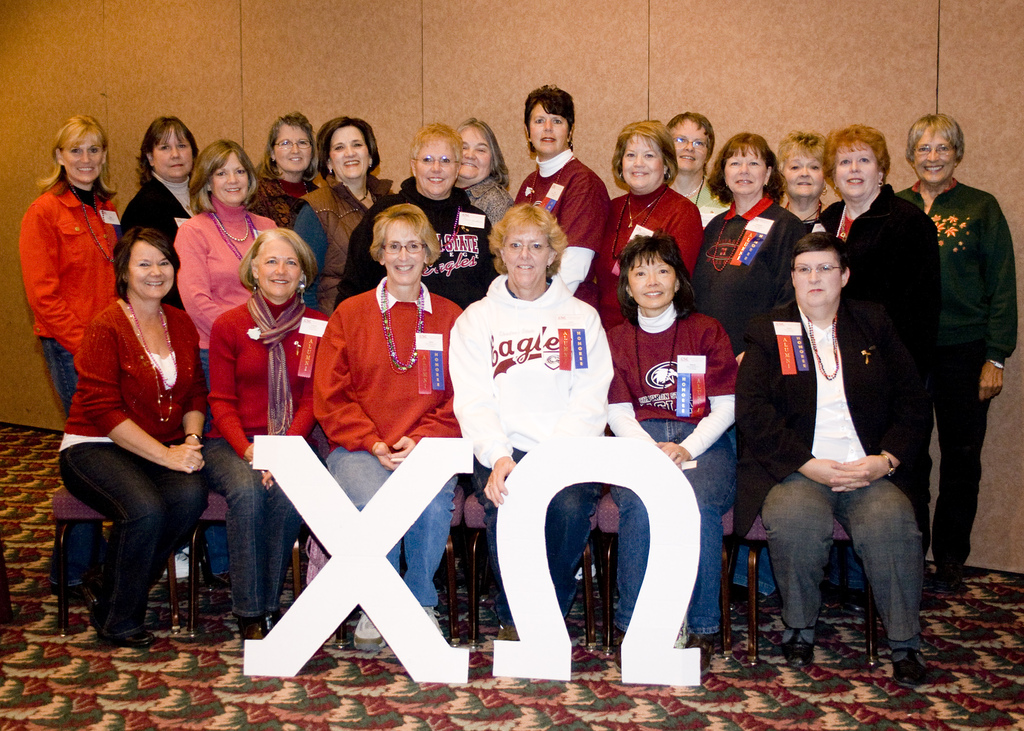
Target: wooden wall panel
point(51, 54)
point(328, 59)
point(773, 67)
point(980, 84)
point(597, 52)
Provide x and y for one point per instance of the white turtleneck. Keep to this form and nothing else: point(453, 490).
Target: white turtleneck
point(622, 417)
point(548, 168)
point(575, 259)
point(179, 191)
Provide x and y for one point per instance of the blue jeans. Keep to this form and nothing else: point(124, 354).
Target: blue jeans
point(361, 475)
point(217, 548)
point(566, 532)
point(797, 516)
point(262, 526)
point(961, 419)
point(714, 485)
point(153, 510)
point(80, 538)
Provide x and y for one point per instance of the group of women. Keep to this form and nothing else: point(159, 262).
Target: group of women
point(674, 270)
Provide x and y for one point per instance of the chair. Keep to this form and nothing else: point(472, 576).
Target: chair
point(68, 511)
point(608, 523)
point(6, 610)
point(756, 538)
point(475, 528)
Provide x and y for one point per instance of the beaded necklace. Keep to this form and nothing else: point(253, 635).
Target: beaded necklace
point(650, 207)
point(228, 238)
point(835, 348)
point(389, 336)
point(95, 238)
point(162, 379)
point(845, 225)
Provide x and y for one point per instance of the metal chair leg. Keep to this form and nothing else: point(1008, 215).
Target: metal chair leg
point(588, 597)
point(453, 597)
point(752, 606)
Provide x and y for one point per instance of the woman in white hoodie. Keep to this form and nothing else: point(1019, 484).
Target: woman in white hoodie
point(512, 391)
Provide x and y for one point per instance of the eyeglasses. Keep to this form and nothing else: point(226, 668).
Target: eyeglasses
point(287, 144)
point(805, 271)
point(940, 150)
point(534, 248)
point(697, 144)
point(413, 247)
point(429, 160)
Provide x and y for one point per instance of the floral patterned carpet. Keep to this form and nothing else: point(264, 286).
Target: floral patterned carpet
point(974, 645)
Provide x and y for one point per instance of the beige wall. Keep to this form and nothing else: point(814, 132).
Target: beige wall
point(763, 66)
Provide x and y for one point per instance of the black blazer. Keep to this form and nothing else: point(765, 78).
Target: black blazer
point(775, 413)
point(156, 207)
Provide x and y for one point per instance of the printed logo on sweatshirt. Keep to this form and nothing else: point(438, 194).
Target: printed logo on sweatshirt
point(458, 251)
point(661, 377)
point(519, 350)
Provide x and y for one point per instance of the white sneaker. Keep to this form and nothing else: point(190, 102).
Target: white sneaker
point(432, 616)
point(367, 638)
point(181, 564)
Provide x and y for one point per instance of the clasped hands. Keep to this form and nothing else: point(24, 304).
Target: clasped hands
point(847, 476)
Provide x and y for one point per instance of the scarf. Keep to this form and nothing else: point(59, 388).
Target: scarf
point(272, 333)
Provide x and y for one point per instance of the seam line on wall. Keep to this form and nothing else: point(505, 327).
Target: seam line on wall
point(938, 52)
point(648, 59)
point(241, 73)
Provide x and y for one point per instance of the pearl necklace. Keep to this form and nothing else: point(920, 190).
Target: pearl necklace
point(228, 238)
point(835, 348)
point(162, 379)
point(389, 335)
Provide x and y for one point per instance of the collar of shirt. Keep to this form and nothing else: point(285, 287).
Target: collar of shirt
point(760, 207)
point(392, 300)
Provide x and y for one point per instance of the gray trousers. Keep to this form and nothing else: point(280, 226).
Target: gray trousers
point(797, 516)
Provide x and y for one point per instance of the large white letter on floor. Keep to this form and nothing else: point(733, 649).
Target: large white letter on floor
point(358, 571)
point(648, 652)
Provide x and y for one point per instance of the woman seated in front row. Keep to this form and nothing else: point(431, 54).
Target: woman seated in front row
point(507, 405)
point(368, 397)
point(132, 447)
point(258, 385)
point(831, 415)
point(661, 327)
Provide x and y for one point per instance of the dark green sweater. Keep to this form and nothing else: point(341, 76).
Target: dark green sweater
point(979, 289)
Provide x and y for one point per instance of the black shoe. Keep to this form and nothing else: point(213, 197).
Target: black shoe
point(251, 628)
point(706, 643)
point(142, 638)
point(269, 620)
point(909, 671)
point(948, 578)
point(91, 587)
point(798, 653)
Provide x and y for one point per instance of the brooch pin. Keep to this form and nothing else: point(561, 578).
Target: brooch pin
point(867, 354)
point(254, 333)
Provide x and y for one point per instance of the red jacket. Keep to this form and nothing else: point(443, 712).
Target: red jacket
point(68, 280)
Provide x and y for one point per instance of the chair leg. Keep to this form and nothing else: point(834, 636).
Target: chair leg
point(752, 606)
point(872, 626)
point(193, 579)
point(62, 578)
point(473, 586)
point(608, 545)
point(296, 571)
point(453, 597)
point(172, 595)
point(588, 596)
point(724, 601)
point(6, 610)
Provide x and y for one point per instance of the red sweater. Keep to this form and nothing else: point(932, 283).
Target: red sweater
point(671, 213)
point(359, 398)
point(117, 380)
point(238, 379)
point(68, 280)
point(645, 364)
point(581, 211)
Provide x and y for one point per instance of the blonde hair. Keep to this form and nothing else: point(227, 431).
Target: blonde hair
point(416, 219)
point(808, 143)
point(437, 132)
point(213, 157)
point(73, 132)
point(307, 259)
point(526, 216)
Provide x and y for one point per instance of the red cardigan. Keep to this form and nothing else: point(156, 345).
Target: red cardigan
point(360, 399)
point(68, 280)
point(671, 213)
point(238, 379)
point(117, 380)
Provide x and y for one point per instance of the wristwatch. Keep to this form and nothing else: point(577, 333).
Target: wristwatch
point(892, 467)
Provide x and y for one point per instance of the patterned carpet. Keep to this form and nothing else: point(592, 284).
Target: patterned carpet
point(974, 644)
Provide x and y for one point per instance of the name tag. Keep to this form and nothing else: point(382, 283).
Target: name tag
point(818, 229)
point(691, 390)
point(430, 347)
point(179, 222)
point(472, 220)
point(110, 217)
point(312, 326)
point(572, 342)
point(640, 231)
point(792, 353)
point(554, 193)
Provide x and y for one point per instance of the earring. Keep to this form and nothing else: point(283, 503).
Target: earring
point(302, 284)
